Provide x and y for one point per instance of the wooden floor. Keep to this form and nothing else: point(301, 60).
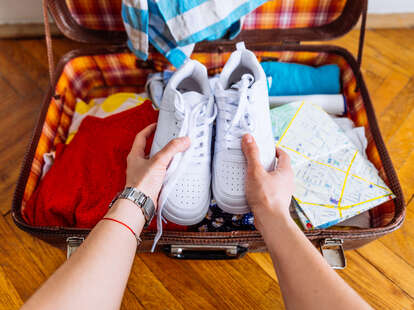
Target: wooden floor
point(382, 272)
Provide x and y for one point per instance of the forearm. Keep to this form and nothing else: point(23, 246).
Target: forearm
point(305, 278)
point(96, 275)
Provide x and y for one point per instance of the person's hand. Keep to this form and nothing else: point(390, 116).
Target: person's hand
point(145, 174)
point(268, 193)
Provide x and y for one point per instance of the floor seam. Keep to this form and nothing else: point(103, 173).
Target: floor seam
point(384, 275)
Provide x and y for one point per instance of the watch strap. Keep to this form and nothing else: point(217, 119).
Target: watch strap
point(143, 201)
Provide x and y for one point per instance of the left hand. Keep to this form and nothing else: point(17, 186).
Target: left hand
point(145, 174)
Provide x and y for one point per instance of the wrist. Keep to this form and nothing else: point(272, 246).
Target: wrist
point(267, 220)
point(129, 213)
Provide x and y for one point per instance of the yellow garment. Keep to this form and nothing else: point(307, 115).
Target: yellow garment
point(103, 107)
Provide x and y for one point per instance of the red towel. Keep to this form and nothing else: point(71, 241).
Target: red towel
point(90, 171)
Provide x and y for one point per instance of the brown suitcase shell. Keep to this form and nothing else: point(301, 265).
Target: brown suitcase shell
point(288, 40)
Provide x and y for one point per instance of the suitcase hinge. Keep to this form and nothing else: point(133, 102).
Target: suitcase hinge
point(72, 243)
point(333, 252)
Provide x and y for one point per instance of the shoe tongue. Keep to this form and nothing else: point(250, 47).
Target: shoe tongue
point(246, 80)
point(193, 98)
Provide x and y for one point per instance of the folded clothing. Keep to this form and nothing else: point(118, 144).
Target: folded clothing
point(217, 220)
point(103, 107)
point(291, 79)
point(88, 172)
point(174, 26)
point(332, 104)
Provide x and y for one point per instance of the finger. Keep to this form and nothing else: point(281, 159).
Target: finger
point(164, 156)
point(138, 147)
point(251, 152)
point(283, 160)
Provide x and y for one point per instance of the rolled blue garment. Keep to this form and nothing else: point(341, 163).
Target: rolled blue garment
point(290, 79)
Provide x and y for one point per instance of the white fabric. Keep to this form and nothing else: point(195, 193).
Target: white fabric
point(332, 104)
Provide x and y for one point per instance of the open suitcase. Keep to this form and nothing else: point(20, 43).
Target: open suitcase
point(274, 31)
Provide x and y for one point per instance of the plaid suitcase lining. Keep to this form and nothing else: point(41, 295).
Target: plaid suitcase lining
point(105, 14)
point(87, 77)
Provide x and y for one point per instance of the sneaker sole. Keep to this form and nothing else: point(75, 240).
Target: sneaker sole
point(185, 221)
point(230, 208)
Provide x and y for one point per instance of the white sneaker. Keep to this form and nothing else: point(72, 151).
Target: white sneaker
point(187, 109)
point(243, 107)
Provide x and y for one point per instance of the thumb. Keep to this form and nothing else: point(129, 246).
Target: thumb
point(164, 156)
point(251, 152)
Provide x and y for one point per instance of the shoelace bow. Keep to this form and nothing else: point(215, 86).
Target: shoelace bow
point(194, 124)
point(241, 122)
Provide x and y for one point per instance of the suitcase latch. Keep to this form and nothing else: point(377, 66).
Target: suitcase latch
point(333, 252)
point(72, 243)
point(198, 251)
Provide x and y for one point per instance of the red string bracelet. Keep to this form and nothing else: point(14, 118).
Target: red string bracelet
point(125, 225)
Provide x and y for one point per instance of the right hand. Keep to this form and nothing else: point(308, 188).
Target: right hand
point(268, 193)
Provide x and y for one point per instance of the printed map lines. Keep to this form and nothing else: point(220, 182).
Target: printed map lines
point(344, 185)
point(343, 207)
point(290, 123)
point(347, 173)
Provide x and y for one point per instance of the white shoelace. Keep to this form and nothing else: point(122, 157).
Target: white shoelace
point(195, 124)
point(236, 113)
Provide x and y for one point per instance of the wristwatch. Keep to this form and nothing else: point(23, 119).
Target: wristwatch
point(143, 201)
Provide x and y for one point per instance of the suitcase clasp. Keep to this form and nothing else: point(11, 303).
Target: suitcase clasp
point(198, 251)
point(72, 243)
point(333, 252)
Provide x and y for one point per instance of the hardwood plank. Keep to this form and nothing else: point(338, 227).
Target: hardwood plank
point(13, 144)
point(144, 285)
point(16, 78)
point(390, 265)
point(9, 298)
point(401, 37)
point(265, 262)
point(38, 46)
point(402, 145)
point(401, 242)
point(215, 282)
point(24, 60)
point(7, 90)
point(18, 264)
point(397, 112)
point(176, 274)
point(374, 287)
point(384, 94)
point(387, 48)
point(60, 47)
point(373, 51)
point(45, 256)
point(130, 301)
point(247, 273)
point(406, 177)
point(372, 80)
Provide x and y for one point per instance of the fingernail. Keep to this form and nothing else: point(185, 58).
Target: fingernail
point(185, 140)
point(248, 138)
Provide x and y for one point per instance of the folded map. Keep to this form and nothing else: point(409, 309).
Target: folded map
point(334, 181)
